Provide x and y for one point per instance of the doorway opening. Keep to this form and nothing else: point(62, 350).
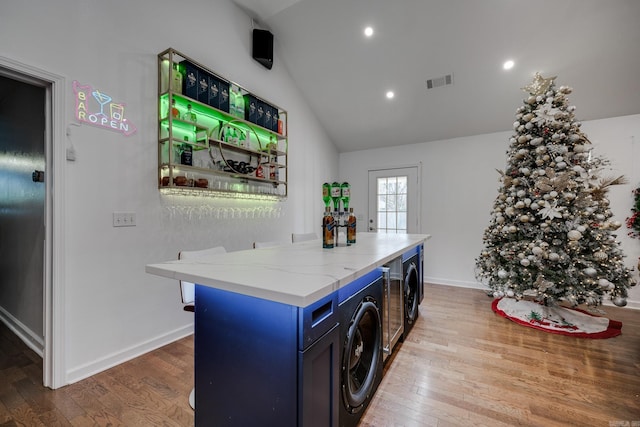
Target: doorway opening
point(31, 172)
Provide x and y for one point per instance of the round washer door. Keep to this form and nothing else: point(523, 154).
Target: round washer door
point(361, 355)
point(411, 293)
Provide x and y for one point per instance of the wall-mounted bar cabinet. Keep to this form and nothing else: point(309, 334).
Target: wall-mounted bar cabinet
point(215, 137)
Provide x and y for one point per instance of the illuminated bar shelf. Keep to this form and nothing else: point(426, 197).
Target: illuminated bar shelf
point(205, 149)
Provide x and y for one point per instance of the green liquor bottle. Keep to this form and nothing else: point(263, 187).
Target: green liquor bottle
point(345, 194)
point(335, 195)
point(326, 194)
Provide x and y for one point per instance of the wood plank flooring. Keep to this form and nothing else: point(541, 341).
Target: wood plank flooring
point(461, 365)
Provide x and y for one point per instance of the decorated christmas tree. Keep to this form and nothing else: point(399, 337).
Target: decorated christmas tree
point(551, 235)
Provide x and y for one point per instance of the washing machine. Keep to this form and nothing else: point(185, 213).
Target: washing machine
point(413, 287)
point(361, 357)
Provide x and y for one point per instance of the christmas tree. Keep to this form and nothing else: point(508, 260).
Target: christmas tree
point(550, 236)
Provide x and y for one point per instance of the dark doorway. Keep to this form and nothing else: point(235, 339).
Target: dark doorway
point(22, 209)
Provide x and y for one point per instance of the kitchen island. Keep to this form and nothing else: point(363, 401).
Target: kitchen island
point(267, 341)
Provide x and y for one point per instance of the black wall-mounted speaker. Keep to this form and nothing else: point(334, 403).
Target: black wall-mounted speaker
point(263, 47)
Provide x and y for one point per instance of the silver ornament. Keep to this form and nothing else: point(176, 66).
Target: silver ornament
point(620, 301)
point(590, 271)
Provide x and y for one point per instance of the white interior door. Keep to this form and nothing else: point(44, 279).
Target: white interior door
point(394, 201)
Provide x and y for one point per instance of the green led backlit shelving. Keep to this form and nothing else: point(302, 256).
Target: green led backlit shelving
point(230, 156)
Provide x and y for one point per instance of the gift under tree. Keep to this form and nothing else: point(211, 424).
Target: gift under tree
point(551, 234)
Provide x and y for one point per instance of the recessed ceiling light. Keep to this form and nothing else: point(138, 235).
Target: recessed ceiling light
point(368, 31)
point(508, 65)
point(390, 94)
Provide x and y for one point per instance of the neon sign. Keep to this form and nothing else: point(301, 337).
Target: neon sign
point(97, 109)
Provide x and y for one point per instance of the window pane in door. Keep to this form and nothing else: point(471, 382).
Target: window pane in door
point(401, 204)
point(392, 187)
point(382, 202)
point(392, 204)
point(391, 220)
point(402, 220)
point(382, 221)
point(382, 186)
point(402, 185)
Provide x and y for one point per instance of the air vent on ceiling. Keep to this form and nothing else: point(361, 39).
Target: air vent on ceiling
point(440, 81)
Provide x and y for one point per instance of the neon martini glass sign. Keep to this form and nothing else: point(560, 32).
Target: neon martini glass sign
point(96, 112)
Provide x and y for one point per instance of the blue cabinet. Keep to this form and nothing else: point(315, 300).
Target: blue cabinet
point(260, 362)
point(318, 381)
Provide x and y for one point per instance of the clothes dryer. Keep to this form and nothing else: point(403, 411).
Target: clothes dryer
point(360, 308)
point(411, 268)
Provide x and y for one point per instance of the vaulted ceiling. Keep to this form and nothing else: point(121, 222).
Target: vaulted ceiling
point(592, 46)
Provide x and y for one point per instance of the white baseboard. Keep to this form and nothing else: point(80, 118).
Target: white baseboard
point(634, 305)
point(457, 283)
point(30, 338)
point(114, 359)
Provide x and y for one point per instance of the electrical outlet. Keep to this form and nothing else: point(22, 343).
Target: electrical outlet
point(124, 219)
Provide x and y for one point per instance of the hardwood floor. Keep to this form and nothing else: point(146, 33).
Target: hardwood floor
point(462, 365)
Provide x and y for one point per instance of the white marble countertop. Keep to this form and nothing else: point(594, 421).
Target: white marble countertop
point(296, 274)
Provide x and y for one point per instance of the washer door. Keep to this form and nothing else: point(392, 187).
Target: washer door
point(411, 293)
point(361, 355)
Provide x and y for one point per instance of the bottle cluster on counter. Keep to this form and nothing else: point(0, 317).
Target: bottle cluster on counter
point(332, 221)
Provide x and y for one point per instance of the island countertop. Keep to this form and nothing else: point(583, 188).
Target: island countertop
point(297, 274)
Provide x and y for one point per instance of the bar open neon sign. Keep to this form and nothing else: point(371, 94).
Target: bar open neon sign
point(97, 109)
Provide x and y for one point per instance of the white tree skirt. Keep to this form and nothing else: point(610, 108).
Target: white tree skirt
point(553, 318)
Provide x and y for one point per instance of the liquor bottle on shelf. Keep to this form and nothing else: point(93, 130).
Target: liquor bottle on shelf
point(239, 104)
point(232, 100)
point(189, 115)
point(351, 228)
point(227, 134)
point(326, 194)
point(328, 229)
point(345, 194)
point(234, 137)
point(175, 113)
point(273, 172)
point(186, 156)
point(242, 139)
point(335, 195)
point(176, 80)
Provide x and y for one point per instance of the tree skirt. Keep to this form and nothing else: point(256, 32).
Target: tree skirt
point(556, 320)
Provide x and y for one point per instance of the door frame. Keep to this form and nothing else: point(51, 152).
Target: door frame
point(53, 363)
point(418, 201)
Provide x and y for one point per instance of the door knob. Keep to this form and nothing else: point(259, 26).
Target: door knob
point(37, 176)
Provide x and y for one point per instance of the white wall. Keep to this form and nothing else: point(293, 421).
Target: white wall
point(459, 184)
point(113, 309)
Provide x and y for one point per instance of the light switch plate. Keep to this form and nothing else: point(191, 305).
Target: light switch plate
point(124, 219)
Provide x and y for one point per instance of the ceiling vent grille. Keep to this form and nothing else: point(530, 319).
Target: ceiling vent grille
point(440, 81)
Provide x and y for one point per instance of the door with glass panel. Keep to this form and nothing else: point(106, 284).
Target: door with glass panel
point(394, 204)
